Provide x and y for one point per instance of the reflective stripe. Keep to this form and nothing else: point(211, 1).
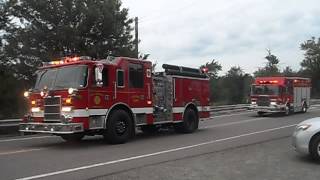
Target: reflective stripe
point(148, 110)
point(178, 109)
point(78, 113)
point(98, 111)
point(86, 112)
point(204, 108)
point(102, 112)
point(38, 114)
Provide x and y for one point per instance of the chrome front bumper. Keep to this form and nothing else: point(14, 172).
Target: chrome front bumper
point(271, 108)
point(52, 128)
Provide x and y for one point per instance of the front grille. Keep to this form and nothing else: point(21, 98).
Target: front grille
point(52, 108)
point(263, 101)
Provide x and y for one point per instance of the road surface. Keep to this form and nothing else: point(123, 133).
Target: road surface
point(217, 150)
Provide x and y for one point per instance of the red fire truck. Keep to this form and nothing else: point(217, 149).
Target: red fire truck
point(280, 94)
point(78, 96)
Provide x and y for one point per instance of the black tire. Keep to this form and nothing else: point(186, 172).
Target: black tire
point(314, 148)
point(190, 122)
point(304, 108)
point(119, 127)
point(150, 129)
point(260, 113)
point(72, 137)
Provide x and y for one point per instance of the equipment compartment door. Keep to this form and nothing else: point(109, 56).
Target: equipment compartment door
point(297, 98)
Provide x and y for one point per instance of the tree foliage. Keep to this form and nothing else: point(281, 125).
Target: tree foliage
point(48, 29)
point(213, 68)
point(289, 72)
point(271, 68)
point(311, 62)
point(232, 88)
point(235, 86)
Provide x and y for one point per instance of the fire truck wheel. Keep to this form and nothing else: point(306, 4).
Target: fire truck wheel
point(72, 137)
point(119, 127)
point(314, 148)
point(260, 113)
point(149, 129)
point(190, 122)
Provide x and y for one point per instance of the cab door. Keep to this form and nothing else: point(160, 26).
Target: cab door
point(100, 93)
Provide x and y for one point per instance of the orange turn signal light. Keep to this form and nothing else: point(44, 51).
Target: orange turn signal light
point(68, 101)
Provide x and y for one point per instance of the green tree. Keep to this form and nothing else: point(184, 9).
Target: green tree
point(271, 68)
point(213, 68)
point(34, 31)
point(236, 86)
point(48, 29)
point(311, 63)
point(289, 72)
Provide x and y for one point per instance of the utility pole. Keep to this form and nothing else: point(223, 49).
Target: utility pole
point(136, 41)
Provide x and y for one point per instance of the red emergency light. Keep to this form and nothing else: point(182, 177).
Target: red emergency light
point(269, 82)
point(205, 70)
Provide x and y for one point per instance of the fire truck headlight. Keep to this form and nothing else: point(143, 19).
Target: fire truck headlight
point(26, 94)
point(35, 109)
point(273, 103)
point(66, 109)
point(253, 102)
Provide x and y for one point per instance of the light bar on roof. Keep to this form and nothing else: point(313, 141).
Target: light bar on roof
point(269, 82)
point(63, 61)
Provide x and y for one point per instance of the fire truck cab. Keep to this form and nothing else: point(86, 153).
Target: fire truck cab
point(78, 96)
point(280, 94)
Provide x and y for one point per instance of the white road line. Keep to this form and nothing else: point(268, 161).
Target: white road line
point(19, 151)
point(152, 154)
point(21, 139)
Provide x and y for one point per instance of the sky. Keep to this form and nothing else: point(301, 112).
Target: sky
point(234, 32)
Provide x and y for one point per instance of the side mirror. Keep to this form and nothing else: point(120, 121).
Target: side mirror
point(98, 75)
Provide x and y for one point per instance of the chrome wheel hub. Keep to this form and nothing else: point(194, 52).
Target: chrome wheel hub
point(120, 127)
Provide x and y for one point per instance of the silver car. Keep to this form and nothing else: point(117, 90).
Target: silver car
point(306, 138)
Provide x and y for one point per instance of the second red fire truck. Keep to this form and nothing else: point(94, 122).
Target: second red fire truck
point(280, 94)
point(77, 96)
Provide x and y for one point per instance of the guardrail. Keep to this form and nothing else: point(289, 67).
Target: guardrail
point(224, 108)
point(229, 107)
point(9, 122)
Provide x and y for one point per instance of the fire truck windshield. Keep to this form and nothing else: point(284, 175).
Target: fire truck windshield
point(265, 90)
point(63, 77)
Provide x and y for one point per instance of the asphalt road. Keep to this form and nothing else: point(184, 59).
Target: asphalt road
point(211, 152)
